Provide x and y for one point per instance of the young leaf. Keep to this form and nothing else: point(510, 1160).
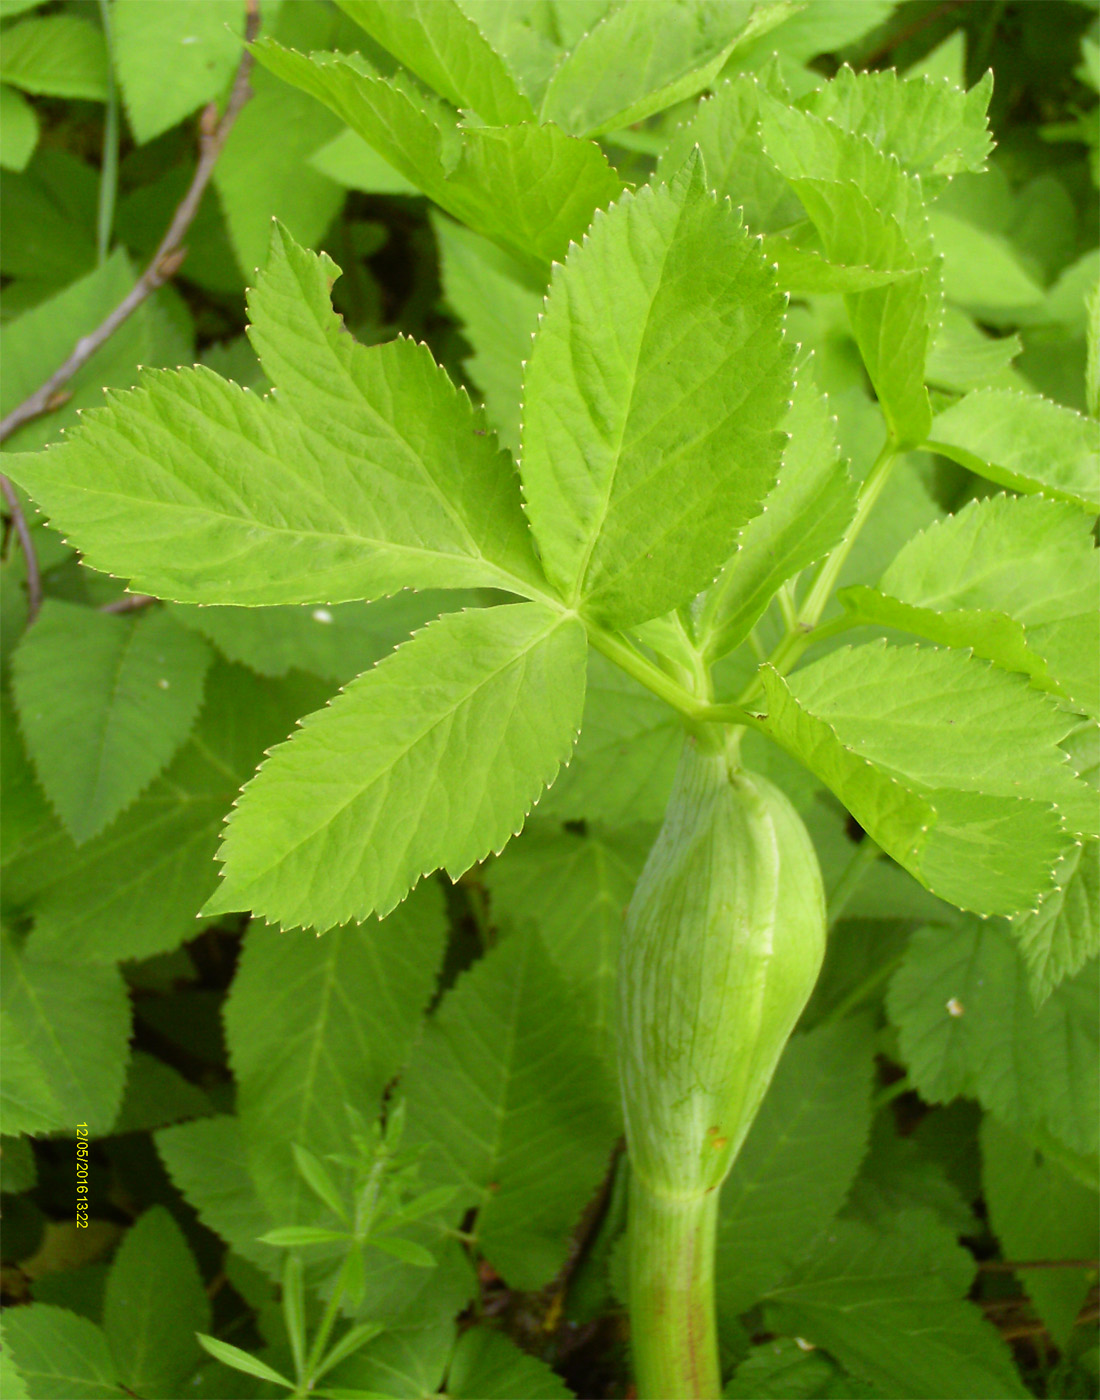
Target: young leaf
point(1023, 441)
point(445, 48)
point(529, 188)
point(869, 213)
point(298, 1236)
point(203, 493)
point(469, 720)
point(104, 702)
point(67, 1027)
point(966, 1026)
point(486, 1365)
point(408, 1251)
point(950, 765)
point(314, 1024)
point(641, 381)
point(513, 1106)
point(136, 889)
point(499, 311)
point(60, 1355)
point(886, 1303)
point(317, 1178)
point(575, 888)
point(1014, 579)
point(154, 1304)
point(1038, 1211)
point(640, 59)
point(804, 516)
point(726, 129)
point(936, 130)
point(798, 1162)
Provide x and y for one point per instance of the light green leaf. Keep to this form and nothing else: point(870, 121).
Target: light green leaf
point(335, 643)
point(869, 213)
point(726, 129)
point(1023, 441)
point(530, 188)
point(1092, 346)
point(487, 1366)
point(966, 1026)
point(59, 1355)
point(104, 702)
point(499, 311)
point(1038, 1211)
point(980, 267)
point(67, 1027)
point(660, 359)
point(56, 56)
point(205, 493)
point(469, 720)
point(626, 756)
point(349, 161)
point(154, 1304)
point(258, 179)
point(408, 1251)
point(18, 129)
point(316, 1024)
point(935, 129)
point(12, 1384)
point(640, 59)
point(207, 1163)
point(951, 766)
point(804, 516)
point(576, 889)
point(963, 357)
point(1064, 932)
point(513, 1108)
point(1013, 578)
point(446, 49)
point(798, 1162)
point(826, 26)
point(136, 889)
point(803, 271)
point(196, 41)
point(886, 1303)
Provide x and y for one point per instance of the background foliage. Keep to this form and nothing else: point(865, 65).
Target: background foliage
point(926, 1153)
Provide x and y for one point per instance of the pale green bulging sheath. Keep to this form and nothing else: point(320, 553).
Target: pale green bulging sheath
point(723, 943)
point(724, 940)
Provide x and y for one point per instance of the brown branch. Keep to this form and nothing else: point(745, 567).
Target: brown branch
point(26, 543)
point(170, 253)
point(910, 31)
point(129, 602)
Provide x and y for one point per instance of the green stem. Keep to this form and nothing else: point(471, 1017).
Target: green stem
point(673, 1330)
point(324, 1331)
point(632, 661)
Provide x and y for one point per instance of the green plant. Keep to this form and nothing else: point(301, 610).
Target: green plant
point(741, 403)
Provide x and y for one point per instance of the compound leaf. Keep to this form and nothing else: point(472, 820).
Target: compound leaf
point(952, 766)
point(1023, 441)
point(640, 59)
point(104, 702)
point(805, 514)
point(1014, 579)
point(467, 721)
point(202, 492)
point(654, 397)
point(440, 44)
point(515, 1108)
point(966, 1026)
